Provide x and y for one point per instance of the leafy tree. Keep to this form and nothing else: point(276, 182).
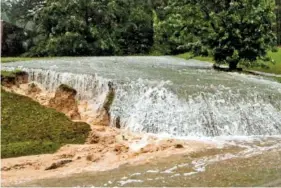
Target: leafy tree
point(176, 26)
point(20, 12)
point(95, 27)
point(236, 30)
point(136, 32)
point(18, 27)
point(13, 36)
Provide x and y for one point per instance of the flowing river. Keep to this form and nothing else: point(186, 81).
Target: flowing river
point(172, 97)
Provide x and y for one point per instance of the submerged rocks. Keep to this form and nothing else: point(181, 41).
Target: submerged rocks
point(93, 157)
point(64, 101)
point(120, 148)
point(58, 164)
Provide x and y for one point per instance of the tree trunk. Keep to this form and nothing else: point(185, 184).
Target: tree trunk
point(233, 65)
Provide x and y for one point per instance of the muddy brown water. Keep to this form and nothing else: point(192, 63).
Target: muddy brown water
point(251, 164)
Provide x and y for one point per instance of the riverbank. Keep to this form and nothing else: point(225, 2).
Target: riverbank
point(161, 95)
point(22, 116)
point(105, 148)
point(256, 165)
point(110, 156)
point(94, 158)
point(274, 68)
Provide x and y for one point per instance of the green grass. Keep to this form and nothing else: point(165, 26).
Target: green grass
point(189, 55)
point(13, 59)
point(277, 79)
point(10, 73)
point(272, 68)
point(29, 128)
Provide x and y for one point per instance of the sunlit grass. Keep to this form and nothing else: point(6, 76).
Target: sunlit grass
point(13, 59)
point(189, 55)
point(272, 67)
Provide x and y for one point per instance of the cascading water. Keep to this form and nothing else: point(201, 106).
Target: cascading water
point(165, 95)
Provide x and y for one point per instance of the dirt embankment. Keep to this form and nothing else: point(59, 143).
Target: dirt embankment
point(106, 147)
point(64, 101)
point(14, 78)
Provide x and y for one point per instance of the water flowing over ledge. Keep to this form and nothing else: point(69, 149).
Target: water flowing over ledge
point(165, 95)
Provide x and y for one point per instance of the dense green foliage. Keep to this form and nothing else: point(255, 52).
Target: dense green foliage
point(230, 31)
point(278, 21)
point(270, 68)
point(13, 43)
point(18, 27)
point(103, 27)
point(29, 128)
point(234, 31)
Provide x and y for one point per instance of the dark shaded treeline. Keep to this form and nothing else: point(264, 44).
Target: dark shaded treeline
point(278, 21)
point(229, 30)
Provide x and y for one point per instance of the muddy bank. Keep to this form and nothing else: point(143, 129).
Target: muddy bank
point(106, 147)
point(261, 169)
point(160, 161)
point(109, 152)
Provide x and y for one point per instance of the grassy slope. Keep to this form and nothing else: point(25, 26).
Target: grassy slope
point(12, 59)
point(9, 73)
point(29, 128)
point(273, 68)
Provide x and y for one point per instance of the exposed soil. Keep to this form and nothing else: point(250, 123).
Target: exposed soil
point(64, 101)
point(15, 78)
point(106, 147)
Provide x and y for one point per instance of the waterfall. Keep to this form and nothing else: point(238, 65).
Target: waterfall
point(230, 105)
point(156, 109)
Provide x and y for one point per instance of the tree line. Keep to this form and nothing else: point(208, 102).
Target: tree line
point(230, 30)
point(278, 21)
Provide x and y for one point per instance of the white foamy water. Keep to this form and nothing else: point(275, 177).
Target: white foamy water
point(168, 96)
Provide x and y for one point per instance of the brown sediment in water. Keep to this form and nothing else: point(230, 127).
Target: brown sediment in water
point(106, 147)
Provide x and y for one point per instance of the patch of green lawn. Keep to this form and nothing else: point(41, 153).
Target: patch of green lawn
point(277, 79)
point(189, 55)
point(272, 68)
point(29, 128)
point(13, 59)
point(9, 73)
